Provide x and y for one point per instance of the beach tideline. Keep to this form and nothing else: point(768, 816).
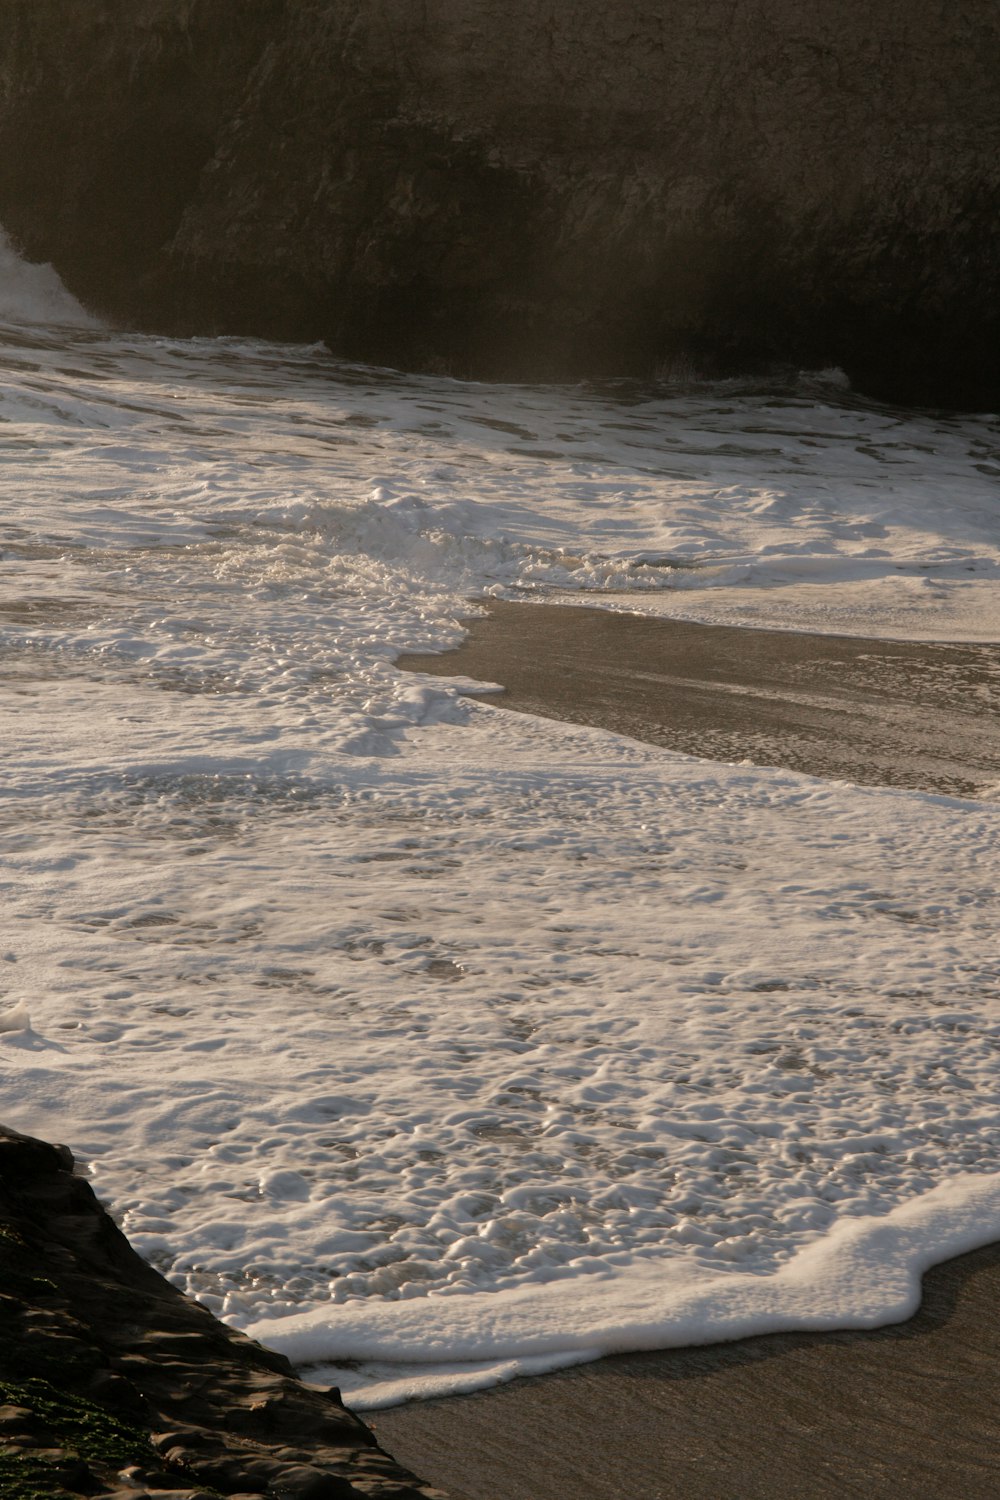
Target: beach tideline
point(907, 1412)
point(877, 712)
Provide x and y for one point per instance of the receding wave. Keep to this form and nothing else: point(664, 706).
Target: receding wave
point(432, 1043)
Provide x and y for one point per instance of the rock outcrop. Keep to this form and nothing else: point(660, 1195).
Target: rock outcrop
point(524, 188)
point(114, 1385)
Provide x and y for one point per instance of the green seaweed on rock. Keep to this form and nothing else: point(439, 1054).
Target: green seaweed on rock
point(28, 1477)
point(80, 1434)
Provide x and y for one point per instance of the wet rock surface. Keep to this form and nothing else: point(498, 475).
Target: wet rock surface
point(525, 188)
point(112, 1384)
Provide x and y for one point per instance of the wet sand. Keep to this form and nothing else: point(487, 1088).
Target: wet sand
point(904, 1413)
point(881, 713)
point(910, 1412)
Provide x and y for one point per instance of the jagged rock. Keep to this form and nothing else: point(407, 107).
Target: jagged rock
point(112, 1383)
point(524, 187)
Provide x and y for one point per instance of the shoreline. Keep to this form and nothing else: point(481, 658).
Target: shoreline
point(910, 715)
point(901, 1411)
point(904, 1412)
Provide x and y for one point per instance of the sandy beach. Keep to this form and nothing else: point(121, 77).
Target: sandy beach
point(908, 1411)
point(875, 712)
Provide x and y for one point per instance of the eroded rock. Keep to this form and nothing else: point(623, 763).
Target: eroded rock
point(522, 187)
point(112, 1383)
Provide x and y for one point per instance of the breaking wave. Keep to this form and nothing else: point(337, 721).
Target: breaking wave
point(34, 293)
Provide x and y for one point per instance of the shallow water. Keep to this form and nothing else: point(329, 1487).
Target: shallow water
point(444, 1041)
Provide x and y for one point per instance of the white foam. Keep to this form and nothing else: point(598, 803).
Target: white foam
point(15, 1019)
point(404, 1030)
point(864, 1274)
point(35, 294)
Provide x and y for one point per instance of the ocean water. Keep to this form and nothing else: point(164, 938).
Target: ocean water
point(433, 1044)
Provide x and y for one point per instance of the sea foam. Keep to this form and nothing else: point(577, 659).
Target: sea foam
point(33, 293)
point(453, 1043)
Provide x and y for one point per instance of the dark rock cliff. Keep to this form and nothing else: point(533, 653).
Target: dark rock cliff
point(524, 188)
point(115, 1387)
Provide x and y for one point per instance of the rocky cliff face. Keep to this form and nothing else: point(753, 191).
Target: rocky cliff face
point(115, 1387)
point(524, 187)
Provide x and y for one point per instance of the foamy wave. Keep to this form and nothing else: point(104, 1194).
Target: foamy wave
point(864, 1274)
point(447, 546)
point(35, 294)
point(493, 1043)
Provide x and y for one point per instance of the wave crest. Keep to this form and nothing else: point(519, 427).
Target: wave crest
point(34, 293)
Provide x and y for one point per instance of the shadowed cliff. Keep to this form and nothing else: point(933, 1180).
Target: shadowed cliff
point(524, 188)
